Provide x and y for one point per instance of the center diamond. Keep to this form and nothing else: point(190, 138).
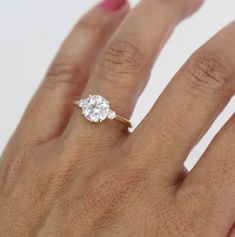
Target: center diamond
point(95, 108)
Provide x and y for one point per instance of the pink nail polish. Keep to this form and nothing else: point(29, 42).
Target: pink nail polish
point(112, 5)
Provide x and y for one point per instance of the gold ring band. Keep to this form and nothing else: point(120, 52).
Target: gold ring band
point(124, 121)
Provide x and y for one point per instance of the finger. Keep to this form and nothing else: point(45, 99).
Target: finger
point(51, 107)
point(189, 105)
point(126, 62)
point(213, 179)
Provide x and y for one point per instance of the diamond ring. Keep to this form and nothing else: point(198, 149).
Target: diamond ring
point(96, 109)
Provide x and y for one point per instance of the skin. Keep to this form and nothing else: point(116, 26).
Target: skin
point(61, 175)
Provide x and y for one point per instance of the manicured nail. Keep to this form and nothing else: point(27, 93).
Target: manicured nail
point(112, 5)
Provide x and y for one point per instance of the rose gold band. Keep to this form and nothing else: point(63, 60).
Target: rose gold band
point(124, 121)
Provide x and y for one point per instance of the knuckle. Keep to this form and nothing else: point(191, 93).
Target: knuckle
point(173, 222)
point(123, 57)
point(182, 214)
point(209, 72)
point(192, 204)
point(112, 189)
point(65, 73)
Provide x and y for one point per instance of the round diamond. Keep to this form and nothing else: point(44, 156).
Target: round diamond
point(112, 115)
point(95, 108)
point(82, 103)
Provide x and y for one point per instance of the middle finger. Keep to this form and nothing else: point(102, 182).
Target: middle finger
point(127, 60)
point(190, 103)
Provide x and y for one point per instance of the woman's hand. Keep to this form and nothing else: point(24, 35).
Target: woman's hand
point(61, 175)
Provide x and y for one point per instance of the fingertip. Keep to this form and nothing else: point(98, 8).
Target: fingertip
point(113, 5)
point(114, 10)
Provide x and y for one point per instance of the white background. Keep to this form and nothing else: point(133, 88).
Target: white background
point(31, 32)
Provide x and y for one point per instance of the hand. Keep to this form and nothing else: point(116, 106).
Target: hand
point(61, 175)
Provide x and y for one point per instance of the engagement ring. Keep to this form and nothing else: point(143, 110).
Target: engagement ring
point(96, 109)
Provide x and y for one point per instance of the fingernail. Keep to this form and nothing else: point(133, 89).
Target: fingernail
point(112, 5)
